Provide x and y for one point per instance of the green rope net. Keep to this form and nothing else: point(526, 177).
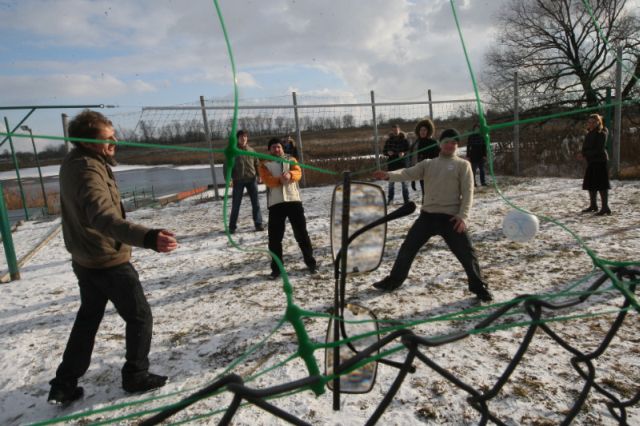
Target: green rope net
point(294, 315)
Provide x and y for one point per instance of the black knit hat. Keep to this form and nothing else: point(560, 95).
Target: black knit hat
point(273, 141)
point(450, 134)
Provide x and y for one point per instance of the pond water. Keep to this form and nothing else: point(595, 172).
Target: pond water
point(158, 180)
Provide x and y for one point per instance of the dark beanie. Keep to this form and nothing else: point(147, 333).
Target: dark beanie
point(450, 134)
point(241, 132)
point(273, 141)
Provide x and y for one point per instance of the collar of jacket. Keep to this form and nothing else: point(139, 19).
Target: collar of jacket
point(89, 153)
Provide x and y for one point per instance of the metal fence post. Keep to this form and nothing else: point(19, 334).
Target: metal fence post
point(298, 136)
point(207, 137)
point(65, 131)
point(15, 164)
point(617, 123)
point(35, 154)
point(374, 122)
point(430, 105)
point(7, 239)
point(516, 127)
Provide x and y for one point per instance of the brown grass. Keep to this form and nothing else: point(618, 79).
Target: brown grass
point(542, 153)
point(13, 200)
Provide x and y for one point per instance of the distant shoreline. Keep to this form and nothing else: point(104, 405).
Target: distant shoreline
point(53, 170)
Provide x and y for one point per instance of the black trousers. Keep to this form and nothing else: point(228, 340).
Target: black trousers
point(278, 215)
point(120, 285)
point(426, 226)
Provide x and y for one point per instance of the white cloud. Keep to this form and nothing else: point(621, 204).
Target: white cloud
point(396, 47)
point(66, 87)
point(245, 79)
point(140, 86)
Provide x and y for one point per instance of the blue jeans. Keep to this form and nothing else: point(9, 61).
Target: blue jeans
point(405, 191)
point(236, 200)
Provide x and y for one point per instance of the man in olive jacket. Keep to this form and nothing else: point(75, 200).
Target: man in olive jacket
point(99, 238)
point(245, 175)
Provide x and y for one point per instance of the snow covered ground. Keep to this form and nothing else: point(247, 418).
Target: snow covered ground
point(211, 302)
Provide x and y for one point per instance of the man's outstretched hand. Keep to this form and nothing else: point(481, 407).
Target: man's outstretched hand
point(166, 241)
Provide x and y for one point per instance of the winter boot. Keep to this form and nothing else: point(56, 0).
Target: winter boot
point(593, 205)
point(605, 210)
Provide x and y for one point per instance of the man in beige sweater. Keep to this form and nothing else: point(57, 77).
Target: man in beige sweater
point(445, 210)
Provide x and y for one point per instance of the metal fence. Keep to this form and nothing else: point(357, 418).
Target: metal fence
point(294, 118)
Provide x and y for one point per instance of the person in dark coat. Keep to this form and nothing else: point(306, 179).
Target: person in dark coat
point(425, 146)
point(289, 146)
point(396, 148)
point(99, 238)
point(596, 177)
point(477, 155)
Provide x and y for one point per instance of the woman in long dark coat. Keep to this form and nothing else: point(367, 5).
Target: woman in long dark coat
point(596, 177)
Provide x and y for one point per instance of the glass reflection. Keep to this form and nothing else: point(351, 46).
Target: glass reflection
point(362, 379)
point(366, 205)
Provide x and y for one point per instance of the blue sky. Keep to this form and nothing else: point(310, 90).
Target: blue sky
point(169, 52)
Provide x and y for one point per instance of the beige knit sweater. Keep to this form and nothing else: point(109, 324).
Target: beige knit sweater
point(448, 184)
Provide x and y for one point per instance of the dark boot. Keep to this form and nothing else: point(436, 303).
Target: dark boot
point(593, 205)
point(483, 294)
point(387, 284)
point(143, 382)
point(604, 197)
point(64, 395)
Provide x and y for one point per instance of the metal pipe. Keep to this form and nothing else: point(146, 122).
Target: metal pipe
point(207, 137)
point(15, 164)
point(374, 123)
point(298, 136)
point(7, 240)
point(365, 104)
point(35, 153)
point(617, 119)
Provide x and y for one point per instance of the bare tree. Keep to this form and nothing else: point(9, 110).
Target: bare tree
point(348, 121)
point(558, 52)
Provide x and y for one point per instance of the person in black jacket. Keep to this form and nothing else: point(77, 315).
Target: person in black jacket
point(596, 177)
point(425, 146)
point(477, 154)
point(396, 148)
point(289, 146)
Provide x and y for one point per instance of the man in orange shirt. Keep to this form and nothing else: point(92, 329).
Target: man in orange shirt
point(283, 201)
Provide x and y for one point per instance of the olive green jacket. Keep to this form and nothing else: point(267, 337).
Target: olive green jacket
point(94, 227)
point(246, 167)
